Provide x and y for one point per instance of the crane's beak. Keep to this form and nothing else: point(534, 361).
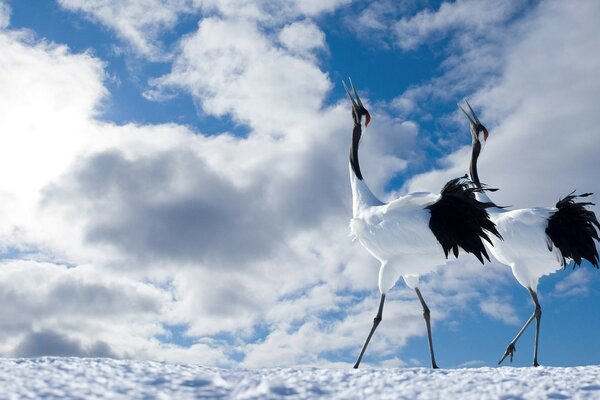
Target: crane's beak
point(473, 117)
point(356, 103)
point(475, 123)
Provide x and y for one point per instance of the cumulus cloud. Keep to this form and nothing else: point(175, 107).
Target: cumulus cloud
point(219, 227)
point(500, 309)
point(141, 23)
point(136, 227)
point(52, 309)
point(302, 37)
point(233, 68)
point(471, 17)
point(50, 343)
point(4, 15)
point(538, 109)
point(575, 284)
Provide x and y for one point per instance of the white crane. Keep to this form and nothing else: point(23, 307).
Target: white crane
point(411, 234)
point(536, 241)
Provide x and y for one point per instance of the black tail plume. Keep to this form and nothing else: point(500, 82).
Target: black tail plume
point(458, 219)
point(572, 228)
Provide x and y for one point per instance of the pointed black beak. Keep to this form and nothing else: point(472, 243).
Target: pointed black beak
point(473, 117)
point(357, 105)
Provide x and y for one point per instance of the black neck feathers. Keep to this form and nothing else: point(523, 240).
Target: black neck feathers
point(476, 149)
point(356, 133)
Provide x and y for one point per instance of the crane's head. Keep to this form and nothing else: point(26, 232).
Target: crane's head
point(479, 132)
point(358, 110)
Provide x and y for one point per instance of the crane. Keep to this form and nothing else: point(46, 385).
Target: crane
point(536, 241)
point(410, 235)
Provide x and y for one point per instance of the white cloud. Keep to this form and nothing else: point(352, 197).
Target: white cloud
point(212, 232)
point(223, 232)
point(500, 309)
point(54, 309)
point(473, 17)
point(302, 37)
point(539, 112)
point(4, 15)
point(137, 22)
point(141, 23)
point(575, 284)
point(233, 68)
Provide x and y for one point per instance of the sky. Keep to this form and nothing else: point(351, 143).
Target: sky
point(174, 177)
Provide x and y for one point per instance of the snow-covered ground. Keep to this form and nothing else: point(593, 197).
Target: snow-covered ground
point(51, 377)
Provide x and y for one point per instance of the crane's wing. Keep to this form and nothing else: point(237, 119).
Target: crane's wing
point(459, 220)
point(572, 229)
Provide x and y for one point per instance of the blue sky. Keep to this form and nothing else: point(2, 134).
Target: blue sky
point(176, 182)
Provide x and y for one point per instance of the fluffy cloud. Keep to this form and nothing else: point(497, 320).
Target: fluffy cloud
point(4, 15)
point(233, 68)
point(241, 242)
point(302, 37)
point(53, 309)
point(471, 17)
point(539, 112)
point(227, 236)
point(141, 23)
point(541, 102)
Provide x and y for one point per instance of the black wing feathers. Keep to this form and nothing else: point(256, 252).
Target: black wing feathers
point(458, 219)
point(572, 228)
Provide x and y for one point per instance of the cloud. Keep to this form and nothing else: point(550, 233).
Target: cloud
point(139, 23)
point(74, 311)
point(240, 240)
point(471, 17)
point(130, 228)
point(142, 24)
point(50, 343)
point(233, 68)
point(302, 37)
point(538, 110)
point(4, 15)
point(575, 284)
point(500, 309)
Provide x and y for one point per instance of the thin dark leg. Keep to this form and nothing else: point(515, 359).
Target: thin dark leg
point(537, 313)
point(428, 324)
point(376, 322)
point(538, 318)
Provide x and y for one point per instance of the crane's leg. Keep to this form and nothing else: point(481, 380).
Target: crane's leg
point(538, 318)
point(376, 322)
point(537, 314)
point(428, 324)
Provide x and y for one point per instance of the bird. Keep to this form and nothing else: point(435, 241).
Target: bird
point(536, 241)
point(410, 235)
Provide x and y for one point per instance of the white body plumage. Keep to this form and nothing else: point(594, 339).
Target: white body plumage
point(525, 247)
point(397, 234)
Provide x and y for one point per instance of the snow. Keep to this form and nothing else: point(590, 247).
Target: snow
point(55, 377)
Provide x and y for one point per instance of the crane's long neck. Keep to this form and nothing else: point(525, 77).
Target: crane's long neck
point(362, 197)
point(475, 151)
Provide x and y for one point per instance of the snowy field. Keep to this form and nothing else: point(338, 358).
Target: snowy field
point(106, 378)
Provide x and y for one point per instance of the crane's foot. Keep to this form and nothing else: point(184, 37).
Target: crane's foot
point(509, 352)
point(434, 366)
